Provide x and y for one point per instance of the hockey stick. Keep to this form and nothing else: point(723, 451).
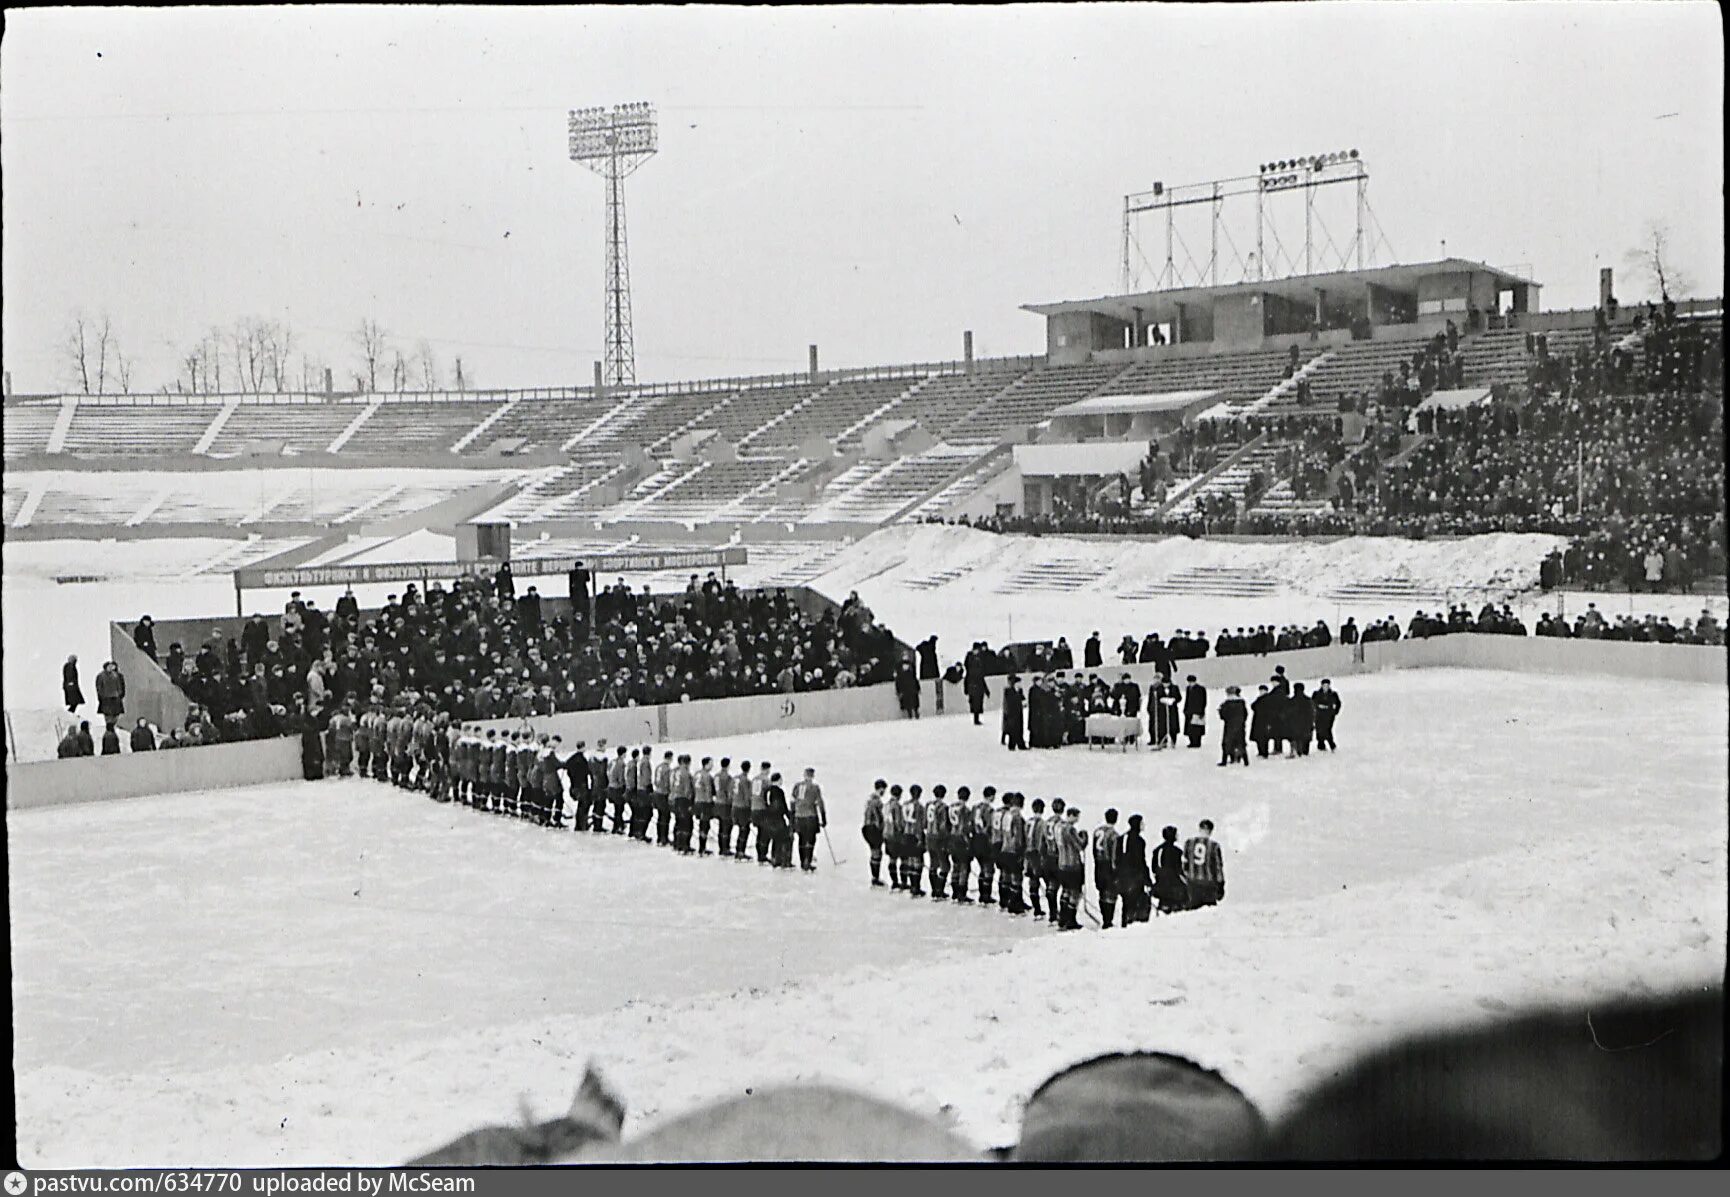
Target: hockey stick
point(830, 845)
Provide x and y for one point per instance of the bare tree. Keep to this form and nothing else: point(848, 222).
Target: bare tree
point(76, 349)
point(1653, 261)
point(106, 349)
point(428, 367)
point(92, 353)
point(123, 370)
point(370, 340)
point(398, 371)
point(462, 384)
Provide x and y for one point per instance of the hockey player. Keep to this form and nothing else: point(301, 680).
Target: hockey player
point(937, 841)
point(619, 775)
point(1233, 714)
point(341, 740)
point(643, 809)
point(663, 800)
point(1194, 711)
point(682, 791)
point(1071, 843)
point(985, 843)
point(809, 818)
point(744, 797)
point(1048, 865)
point(760, 815)
point(1327, 708)
point(724, 783)
point(703, 797)
point(1107, 864)
point(894, 833)
point(913, 841)
point(960, 844)
point(513, 784)
point(598, 771)
point(871, 830)
point(1169, 889)
point(1204, 868)
point(1033, 860)
point(1013, 838)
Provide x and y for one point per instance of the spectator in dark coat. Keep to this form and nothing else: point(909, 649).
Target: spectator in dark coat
point(69, 746)
point(110, 692)
point(1169, 889)
point(1194, 711)
point(1132, 875)
point(505, 582)
point(144, 636)
point(70, 690)
point(1090, 654)
point(928, 659)
point(1300, 721)
point(1261, 720)
point(907, 691)
point(110, 741)
point(86, 744)
point(1014, 725)
point(143, 739)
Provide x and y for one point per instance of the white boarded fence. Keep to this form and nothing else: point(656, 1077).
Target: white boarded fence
point(223, 766)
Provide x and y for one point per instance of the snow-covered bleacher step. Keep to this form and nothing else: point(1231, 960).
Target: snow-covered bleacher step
point(1393, 590)
point(1222, 581)
point(808, 560)
point(1060, 576)
point(935, 579)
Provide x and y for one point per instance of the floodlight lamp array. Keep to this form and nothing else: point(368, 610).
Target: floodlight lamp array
point(1291, 172)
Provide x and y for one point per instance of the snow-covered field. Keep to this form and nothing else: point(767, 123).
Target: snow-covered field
point(345, 973)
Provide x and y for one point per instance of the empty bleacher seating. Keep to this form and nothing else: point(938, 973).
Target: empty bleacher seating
point(938, 403)
point(542, 424)
point(1239, 378)
point(398, 428)
point(878, 494)
point(835, 409)
point(138, 430)
point(307, 427)
point(751, 409)
point(1030, 400)
point(27, 426)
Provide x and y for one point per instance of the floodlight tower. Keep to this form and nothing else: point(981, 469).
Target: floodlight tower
point(613, 143)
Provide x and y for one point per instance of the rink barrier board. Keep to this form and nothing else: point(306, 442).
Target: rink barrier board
point(222, 766)
point(39, 784)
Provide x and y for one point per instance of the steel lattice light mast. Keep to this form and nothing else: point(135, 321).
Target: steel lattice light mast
point(613, 143)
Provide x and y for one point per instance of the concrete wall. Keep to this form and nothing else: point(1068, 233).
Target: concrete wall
point(131, 775)
point(1238, 321)
point(717, 718)
point(148, 691)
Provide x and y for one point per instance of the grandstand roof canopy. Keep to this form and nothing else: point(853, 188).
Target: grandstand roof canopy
point(1160, 306)
point(1096, 459)
point(1114, 405)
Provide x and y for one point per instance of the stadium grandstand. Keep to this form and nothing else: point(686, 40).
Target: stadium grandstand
point(1291, 406)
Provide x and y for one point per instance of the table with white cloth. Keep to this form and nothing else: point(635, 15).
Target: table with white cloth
point(1122, 730)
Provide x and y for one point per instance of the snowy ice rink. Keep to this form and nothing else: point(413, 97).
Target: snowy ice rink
point(347, 973)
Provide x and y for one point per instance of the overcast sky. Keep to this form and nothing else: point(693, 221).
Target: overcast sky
point(874, 180)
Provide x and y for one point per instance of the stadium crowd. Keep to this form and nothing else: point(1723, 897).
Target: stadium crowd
point(479, 651)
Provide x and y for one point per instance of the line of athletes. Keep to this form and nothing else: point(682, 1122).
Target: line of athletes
point(525, 776)
point(1050, 849)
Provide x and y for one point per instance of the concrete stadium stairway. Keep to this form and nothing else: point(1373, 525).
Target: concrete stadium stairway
point(1397, 591)
point(1232, 481)
point(1051, 577)
point(1215, 581)
point(935, 579)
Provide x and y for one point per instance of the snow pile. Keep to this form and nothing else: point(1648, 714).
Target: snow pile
point(1276, 997)
point(915, 551)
